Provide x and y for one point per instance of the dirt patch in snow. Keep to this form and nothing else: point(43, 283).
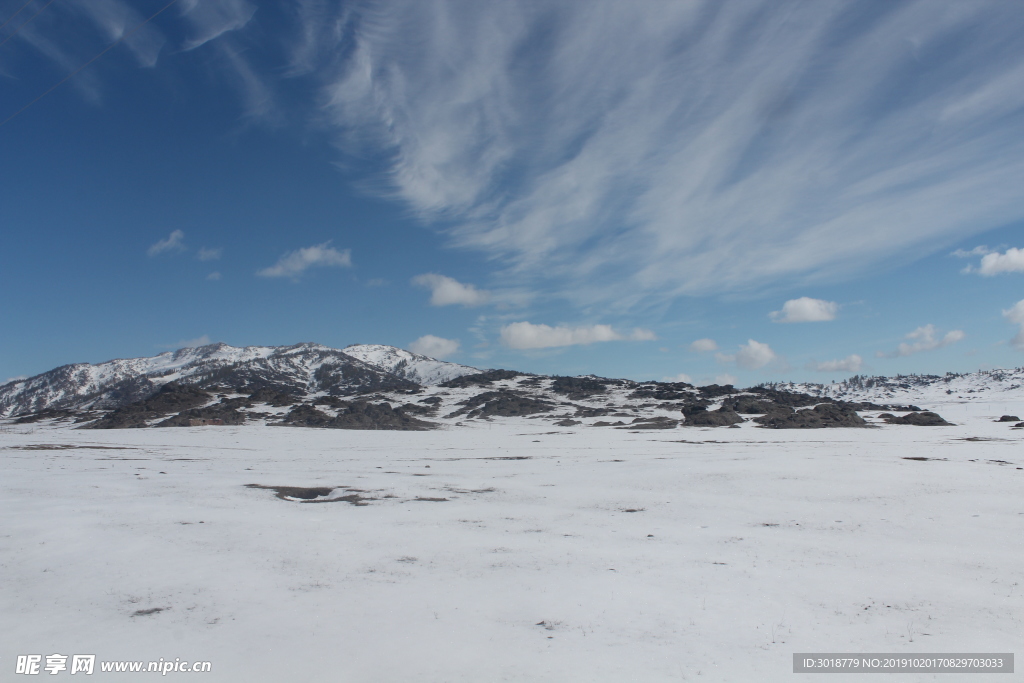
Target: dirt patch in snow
point(315, 494)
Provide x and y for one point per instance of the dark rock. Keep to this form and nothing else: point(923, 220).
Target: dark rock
point(225, 413)
point(568, 423)
point(172, 397)
point(1008, 418)
point(821, 416)
point(503, 404)
point(921, 419)
point(712, 418)
point(583, 411)
point(578, 387)
point(750, 405)
point(661, 422)
point(716, 390)
point(602, 423)
point(665, 391)
point(356, 415)
point(49, 414)
point(481, 379)
point(273, 396)
point(788, 398)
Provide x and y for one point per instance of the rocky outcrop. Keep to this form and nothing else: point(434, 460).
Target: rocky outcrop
point(825, 415)
point(355, 415)
point(702, 417)
point(172, 397)
point(925, 418)
point(502, 404)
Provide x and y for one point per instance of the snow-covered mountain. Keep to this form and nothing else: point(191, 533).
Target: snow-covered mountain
point(305, 368)
point(951, 387)
point(407, 365)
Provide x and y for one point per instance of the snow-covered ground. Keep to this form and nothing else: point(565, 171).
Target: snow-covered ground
point(556, 554)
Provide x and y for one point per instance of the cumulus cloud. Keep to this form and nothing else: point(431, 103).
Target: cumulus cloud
point(215, 275)
point(805, 310)
point(851, 363)
point(1015, 314)
point(704, 345)
point(1012, 261)
point(681, 377)
point(294, 263)
point(446, 291)
point(923, 339)
point(525, 335)
point(726, 378)
point(209, 254)
point(435, 347)
point(173, 243)
point(752, 355)
point(603, 171)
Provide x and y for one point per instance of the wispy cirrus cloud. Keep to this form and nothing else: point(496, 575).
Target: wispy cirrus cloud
point(173, 243)
point(293, 264)
point(526, 335)
point(815, 139)
point(851, 363)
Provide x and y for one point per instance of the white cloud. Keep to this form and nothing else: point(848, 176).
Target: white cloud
point(704, 345)
point(210, 20)
point(677, 160)
point(14, 379)
point(294, 263)
point(173, 243)
point(681, 377)
point(446, 291)
point(979, 250)
point(805, 310)
point(1015, 314)
point(525, 335)
point(754, 355)
point(203, 340)
point(726, 378)
point(435, 347)
point(1010, 262)
point(209, 254)
point(924, 339)
point(215, 275)
point(851, 363)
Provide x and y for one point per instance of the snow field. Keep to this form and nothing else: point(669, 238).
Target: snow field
point(746, 545)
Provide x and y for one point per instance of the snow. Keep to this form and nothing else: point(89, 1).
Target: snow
point(746, 545)
point(936, 389)
point(408, 365)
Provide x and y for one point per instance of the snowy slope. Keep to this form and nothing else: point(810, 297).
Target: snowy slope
point(408, 365)
point(949, 388)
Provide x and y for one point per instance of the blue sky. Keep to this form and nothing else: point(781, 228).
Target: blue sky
point(719, 191)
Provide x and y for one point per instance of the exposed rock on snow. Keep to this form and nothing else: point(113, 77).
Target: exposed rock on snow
point(821, 416)
point(922, 419)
